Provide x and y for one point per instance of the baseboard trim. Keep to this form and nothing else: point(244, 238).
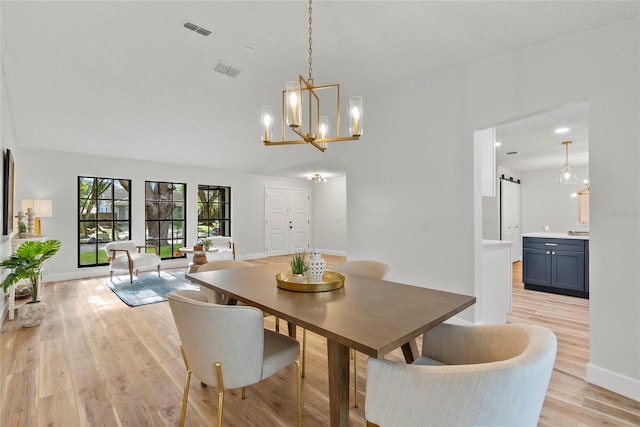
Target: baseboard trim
point(617, 383)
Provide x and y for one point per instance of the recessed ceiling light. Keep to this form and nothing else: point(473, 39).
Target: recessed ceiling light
point(562, 130)
point(497, 143)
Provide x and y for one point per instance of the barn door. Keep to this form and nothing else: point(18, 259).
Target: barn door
point(287, 220)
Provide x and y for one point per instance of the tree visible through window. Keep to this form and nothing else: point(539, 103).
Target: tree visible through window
point(103, 216)
point(165, 214)
point(214, 211)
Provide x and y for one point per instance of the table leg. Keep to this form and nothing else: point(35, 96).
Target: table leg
point(410, 351)
point(292, 330)
point(338, 362)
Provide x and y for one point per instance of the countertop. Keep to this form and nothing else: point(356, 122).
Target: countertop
point(554, 235)
point(487, 243)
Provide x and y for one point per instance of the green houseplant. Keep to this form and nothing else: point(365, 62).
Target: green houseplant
point(26, 263)
point(206, 243)
point(22, 229)
point(297, 263)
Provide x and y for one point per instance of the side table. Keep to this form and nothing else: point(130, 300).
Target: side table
point(199, 257)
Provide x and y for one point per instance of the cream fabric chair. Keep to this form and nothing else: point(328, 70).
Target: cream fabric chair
point(487, 375)
point(227, 345)
point(213, 296)
point(363, 268)
point(223, 265)
point(125, 255)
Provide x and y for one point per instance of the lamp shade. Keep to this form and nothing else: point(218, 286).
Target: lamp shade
point(41, 207)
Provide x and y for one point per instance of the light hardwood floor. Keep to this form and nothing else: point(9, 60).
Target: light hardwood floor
point(96, 362)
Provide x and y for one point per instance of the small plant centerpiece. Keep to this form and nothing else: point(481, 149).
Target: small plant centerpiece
point(26, 263)
point(206, 243)
point(22, 229)
point(298, 267)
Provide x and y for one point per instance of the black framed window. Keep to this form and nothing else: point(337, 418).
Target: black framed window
point(165, 214)
point(104, 215)
point(214, 211)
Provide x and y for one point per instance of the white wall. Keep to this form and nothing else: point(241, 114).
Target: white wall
point(414, 203)
point(54, 175)
point(7, 142)
point(543, 202)
point(329, 216)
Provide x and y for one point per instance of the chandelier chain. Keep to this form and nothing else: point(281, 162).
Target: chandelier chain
point(310, 43)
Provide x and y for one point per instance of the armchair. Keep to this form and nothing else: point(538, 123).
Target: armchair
point(486, 375)
point(125, 255)
point(226, 249)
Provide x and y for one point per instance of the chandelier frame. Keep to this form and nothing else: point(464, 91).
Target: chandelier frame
point(310, 133)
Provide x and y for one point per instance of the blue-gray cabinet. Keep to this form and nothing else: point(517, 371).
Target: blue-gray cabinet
point(556, 265)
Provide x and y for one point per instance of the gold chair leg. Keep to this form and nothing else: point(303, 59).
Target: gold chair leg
point(355, 378)
point(304, 350)
point(220, 393)
point(299, 391)
point(185, 393)
point(277, 324)
point(243, 392)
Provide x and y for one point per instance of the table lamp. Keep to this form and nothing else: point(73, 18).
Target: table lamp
point(36, 209)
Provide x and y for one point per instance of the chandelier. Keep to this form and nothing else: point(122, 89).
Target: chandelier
point(311, 127)
point(567, 176)
point(316, 178)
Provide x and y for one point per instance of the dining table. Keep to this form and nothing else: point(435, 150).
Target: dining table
point(371, 316)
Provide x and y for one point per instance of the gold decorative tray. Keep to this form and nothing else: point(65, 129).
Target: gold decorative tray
point(330, 282)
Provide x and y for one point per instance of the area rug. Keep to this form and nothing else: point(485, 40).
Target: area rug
point(147, 287)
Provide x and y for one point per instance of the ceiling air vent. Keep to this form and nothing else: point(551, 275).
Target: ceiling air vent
point(193, 27)
point(226, 69)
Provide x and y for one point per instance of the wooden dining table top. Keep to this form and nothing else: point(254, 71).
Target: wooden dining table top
point(371, 316)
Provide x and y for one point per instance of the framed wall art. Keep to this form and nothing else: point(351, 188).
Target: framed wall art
point(8, 186)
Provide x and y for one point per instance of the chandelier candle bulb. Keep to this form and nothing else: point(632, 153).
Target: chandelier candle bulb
point(294, 106)
point(265, 112)
point(355, 107)
point(324, 126)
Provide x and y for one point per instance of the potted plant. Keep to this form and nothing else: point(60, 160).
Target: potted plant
point(298, 267)
point(22, 229)
point(26, 263)
point(206, 243)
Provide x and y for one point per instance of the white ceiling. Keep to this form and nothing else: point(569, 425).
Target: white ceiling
point(534, 145)
point(126, 79)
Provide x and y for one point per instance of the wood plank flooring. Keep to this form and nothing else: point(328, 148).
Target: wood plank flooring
point(96, 362)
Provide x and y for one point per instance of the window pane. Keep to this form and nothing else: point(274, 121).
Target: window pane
point(165, 214)
point(214, 211)
point(101, 218)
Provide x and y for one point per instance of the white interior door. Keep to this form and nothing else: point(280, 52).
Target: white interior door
point(287, 220)
point(510, 217)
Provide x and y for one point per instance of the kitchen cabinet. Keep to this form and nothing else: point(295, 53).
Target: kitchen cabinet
point(558, 265)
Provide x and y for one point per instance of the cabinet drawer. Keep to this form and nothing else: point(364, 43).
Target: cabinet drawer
point(574, 245)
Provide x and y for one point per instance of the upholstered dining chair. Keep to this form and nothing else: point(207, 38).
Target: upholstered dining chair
point(486, 375)
point(227, 345)
point(220, 265)
point(363, 268)
point(223, 265)
point(126, 255)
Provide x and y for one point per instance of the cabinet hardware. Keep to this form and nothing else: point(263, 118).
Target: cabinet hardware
point(551, 244)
